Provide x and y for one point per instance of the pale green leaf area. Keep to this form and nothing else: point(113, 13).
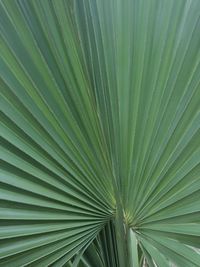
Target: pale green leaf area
point(100, 133)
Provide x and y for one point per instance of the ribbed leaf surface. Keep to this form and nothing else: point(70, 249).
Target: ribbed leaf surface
point(100, 115)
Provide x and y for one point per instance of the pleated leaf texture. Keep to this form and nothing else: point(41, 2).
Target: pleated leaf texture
point(100, 133)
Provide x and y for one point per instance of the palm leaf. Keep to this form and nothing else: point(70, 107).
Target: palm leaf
point(100, 130)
